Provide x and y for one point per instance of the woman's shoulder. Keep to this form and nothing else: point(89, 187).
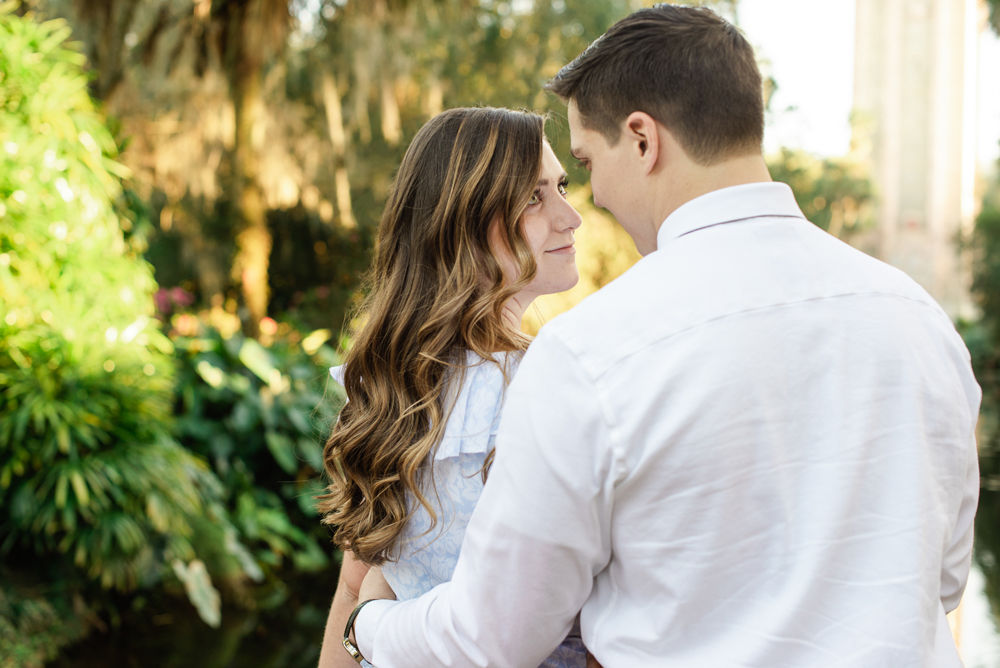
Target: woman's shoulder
point(493, 373)
point(476, 404)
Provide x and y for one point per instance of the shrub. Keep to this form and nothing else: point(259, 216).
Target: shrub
point(92, 482)
point(257, 413)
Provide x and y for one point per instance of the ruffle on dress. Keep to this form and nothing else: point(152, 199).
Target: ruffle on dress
point(475, 418)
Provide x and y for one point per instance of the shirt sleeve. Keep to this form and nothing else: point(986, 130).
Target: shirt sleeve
point(537, 538)
point(958, 557)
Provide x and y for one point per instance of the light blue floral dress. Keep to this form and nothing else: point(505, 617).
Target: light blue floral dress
point(428, 558)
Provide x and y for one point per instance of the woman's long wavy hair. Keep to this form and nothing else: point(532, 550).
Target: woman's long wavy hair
point(437, 288)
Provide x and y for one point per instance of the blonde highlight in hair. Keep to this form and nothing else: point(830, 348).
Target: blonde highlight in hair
point(436, 289)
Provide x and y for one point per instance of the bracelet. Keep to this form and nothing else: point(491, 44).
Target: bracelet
point(351, 648)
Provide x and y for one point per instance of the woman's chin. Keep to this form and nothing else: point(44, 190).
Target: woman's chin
point(567, 283)
point(550, 284)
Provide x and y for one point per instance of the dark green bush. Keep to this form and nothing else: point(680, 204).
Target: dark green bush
point(983, 336)
point(94, 488)
point(126, 462)
point(983, 339)
point(258, 414)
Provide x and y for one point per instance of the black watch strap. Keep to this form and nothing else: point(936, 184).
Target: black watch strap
point(351, 648)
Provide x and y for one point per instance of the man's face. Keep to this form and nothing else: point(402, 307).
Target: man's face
point(616, 178)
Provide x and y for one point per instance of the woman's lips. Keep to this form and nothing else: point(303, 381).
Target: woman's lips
point(563, 250)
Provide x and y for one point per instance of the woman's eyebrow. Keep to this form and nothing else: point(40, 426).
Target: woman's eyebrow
point(544, 182)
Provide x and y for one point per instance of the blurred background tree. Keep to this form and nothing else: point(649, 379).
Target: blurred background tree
point(254, 142)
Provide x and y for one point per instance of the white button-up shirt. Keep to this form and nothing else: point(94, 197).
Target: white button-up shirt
point(755, 448)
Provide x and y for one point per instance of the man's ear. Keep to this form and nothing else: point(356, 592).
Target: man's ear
point(641, 132)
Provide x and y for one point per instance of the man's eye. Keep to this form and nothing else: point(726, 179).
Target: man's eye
point(583, 164)
point(534, 199)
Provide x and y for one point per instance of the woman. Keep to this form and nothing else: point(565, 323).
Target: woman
point(476, 226)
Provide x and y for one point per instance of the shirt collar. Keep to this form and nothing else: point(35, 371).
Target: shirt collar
point(728, 205)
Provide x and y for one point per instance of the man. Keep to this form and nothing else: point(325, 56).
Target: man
point(755, 448)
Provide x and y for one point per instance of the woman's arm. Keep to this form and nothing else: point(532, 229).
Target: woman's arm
point(352, 574)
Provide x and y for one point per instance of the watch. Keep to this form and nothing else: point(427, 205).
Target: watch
point(351, 648)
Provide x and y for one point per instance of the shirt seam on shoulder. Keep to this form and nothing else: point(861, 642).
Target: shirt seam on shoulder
point(933, 307)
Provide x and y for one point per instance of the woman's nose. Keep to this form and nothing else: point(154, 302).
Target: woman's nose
point(570, 218)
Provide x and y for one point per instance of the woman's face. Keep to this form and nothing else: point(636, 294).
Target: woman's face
point(549, 222)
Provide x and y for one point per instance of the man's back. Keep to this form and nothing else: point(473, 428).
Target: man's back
point(753, 449)
point(793, 426)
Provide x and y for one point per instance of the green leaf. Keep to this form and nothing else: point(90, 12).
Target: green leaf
point(244, 416)
point(212, 375)
point(306, 496)
point(312, 452)
point(62, 438)
point(243, 556)
point(299, 420)
point(61, 487)
point(283, 450)
point(157, 513)
point(79, 488)
point(256, 358)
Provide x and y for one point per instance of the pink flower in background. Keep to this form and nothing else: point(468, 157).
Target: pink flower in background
point(181, 297)
point(162, 301)
point(168, 300)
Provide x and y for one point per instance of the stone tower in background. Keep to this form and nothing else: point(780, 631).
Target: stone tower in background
point(914, 101)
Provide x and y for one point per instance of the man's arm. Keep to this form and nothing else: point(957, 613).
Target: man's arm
point(537, 538)
point(333, 654)
point(958, 557)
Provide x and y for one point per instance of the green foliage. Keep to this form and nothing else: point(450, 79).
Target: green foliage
point(91, 479)
point(257, 414)
point(983, 340)
point(986, 267)
point(983, 336)
point(33, 628)
point(834, 193)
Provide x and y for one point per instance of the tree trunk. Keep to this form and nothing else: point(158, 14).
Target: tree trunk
point(253, 242)
point(391, 129)
point(335, 122)
point(104, 26)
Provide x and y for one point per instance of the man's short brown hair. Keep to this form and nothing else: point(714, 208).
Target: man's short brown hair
point(687, 67)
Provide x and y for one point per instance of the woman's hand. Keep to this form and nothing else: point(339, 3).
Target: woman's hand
point(375, 586)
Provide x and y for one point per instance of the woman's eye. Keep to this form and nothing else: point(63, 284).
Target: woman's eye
point(534, 199)
point(562, 189)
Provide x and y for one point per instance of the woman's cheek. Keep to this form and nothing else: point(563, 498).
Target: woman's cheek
point(536, 231)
